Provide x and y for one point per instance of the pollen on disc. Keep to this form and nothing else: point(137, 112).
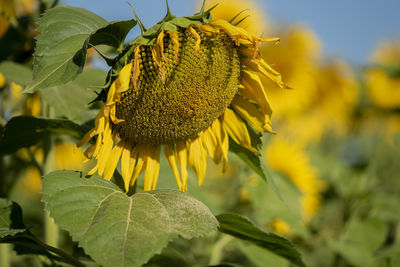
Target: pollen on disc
point(197, 89)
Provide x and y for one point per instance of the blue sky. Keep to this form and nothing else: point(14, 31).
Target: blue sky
point(348, 29)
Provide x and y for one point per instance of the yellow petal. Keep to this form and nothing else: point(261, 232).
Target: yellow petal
point(86, 138)
point(124, 78)
point(113, 160)
point(255, 91)
point(175, 41)
point(170, 155)
point(105, 151)
point(156, 57)
point(160, 44)
point(92, 171)
point(251, 53)
point(152, 167)
point(262, 67)
point(140, 159)
point(125, 166)
point(197, 158)
point(260, 122)
point(136, 67)
point(197, 37)
point(225, 149)
point(210, 143)
point(207, 29)
point(237, 130)
point(218, 133)
point(181, 153)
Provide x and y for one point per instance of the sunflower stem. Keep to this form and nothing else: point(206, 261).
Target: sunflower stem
point(51, 231)
point(5, 255)
point(217, 250)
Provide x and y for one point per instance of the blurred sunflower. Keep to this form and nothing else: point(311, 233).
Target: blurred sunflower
point(227, 9)
point(290, 159)
point(66, 157)
point(296, 58)
point(188, 84)
point(383, 79)
point(330, 107)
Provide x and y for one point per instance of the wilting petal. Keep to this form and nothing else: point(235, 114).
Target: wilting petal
point(197, 158)
point(251, 114)
point(237, 130)
point(171, 157)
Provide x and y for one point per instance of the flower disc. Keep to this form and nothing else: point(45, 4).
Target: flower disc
point(182, 95)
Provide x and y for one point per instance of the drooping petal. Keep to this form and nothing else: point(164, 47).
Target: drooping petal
point(207, 29)
point(251, 114)
point(181, 153)
point(197, 37)
point(210, 143)
point(160, 44)
point(262, 67)
point(139, 157)
point(197, 158)
point(157, 59)
point(175, 41)
point(123, 80)
point(237, 130)
point(125, 166)
point(114, 157)
point(105, 151)
point(136, 68)
point(152, 167)
point(225, 148)
point(171, 157)
point(256, 91)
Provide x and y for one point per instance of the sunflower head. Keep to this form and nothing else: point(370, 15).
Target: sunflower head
point(187, 84)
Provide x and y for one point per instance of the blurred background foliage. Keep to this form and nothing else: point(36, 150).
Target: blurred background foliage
point(334, 161)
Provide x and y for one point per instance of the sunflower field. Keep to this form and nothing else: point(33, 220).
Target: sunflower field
point(210, 139)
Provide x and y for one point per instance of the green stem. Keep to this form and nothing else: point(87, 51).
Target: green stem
point(51, 236)
point(61, 253)
point(5, 255)
point(216, 253)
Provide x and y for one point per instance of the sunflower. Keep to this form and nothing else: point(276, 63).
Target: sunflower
point(290, 158)
point(383, 78)
point(186, 85)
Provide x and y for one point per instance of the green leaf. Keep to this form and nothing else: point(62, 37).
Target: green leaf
point(241, 227)
point(251, 159)
point(25, 131)
point(64, 98)
point(65, 35)
point(112, 34)
point(15, 72)
point(10, 218)
point(120, 230)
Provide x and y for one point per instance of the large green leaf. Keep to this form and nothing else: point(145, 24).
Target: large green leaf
point(120, 230)
point(14, 72)
point(10, 218)
point(72, 100)
point(25, 131)
point(241, 227)
point(65, 35)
